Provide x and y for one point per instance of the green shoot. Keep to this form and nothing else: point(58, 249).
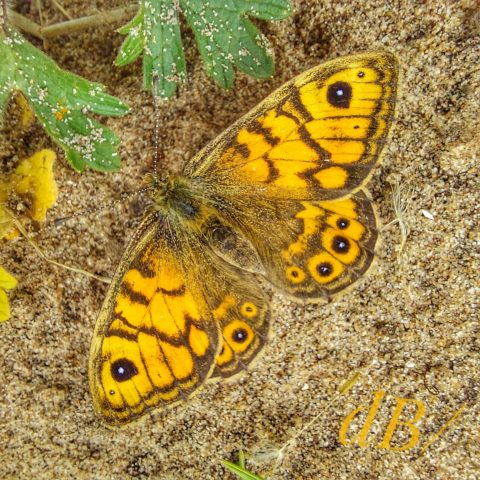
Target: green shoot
point(225, 38)
point(61, 102)
point(239, 469)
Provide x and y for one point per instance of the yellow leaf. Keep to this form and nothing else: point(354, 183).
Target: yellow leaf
point(4, 306)
point(7, 282)
point(27, 112)
point(34, 176)
point(6, 224)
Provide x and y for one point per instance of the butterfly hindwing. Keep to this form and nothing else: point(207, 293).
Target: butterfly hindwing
point(311, 250)
point(244, 321)
point(315, 249)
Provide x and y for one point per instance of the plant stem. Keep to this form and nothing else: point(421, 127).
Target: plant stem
point(25, 24)
point(69, 26)
point(82, 23)
point(61, 9)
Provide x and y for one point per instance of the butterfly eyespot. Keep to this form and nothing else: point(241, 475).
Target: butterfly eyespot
point(248, 310)
point(340, 244)
point(123, 370)
point(240, 335)
point(324, 269)
point(112, 392)
point(339, 94)
point(295, 274)
point(356, 127)
point(361, 74)
point(342, 223)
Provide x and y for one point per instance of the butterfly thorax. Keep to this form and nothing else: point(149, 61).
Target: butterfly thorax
point(175, 198)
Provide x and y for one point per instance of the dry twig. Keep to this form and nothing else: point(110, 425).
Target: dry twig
point(70, 26)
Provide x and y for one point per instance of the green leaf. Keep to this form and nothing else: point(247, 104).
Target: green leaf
point(136, 21)
point(240, 471)
point(7, 70)
point(133, 45)
point(265, 9)
point(62, 101)
point(225, 38)
point(163, 56)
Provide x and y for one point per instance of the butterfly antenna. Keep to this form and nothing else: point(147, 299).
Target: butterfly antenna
point(156, 131)
point(43, 255)
point(124, 196)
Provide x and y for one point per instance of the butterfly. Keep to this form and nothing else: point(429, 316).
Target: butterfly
point(279, 195)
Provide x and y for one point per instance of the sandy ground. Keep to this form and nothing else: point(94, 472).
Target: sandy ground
point(409, 327)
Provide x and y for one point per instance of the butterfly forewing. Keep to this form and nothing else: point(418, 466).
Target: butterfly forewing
point(317, 137)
